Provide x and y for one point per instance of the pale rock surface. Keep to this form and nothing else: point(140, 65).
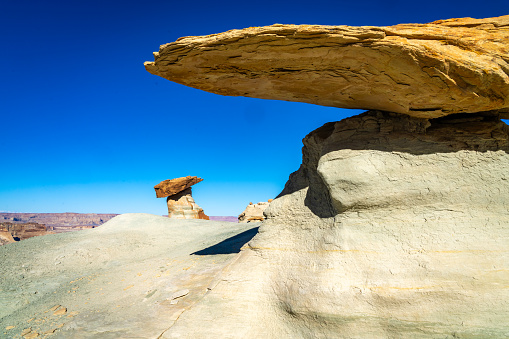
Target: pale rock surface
point(114, 281)
point(393, 227)
point(424, 70)
point(254, 212)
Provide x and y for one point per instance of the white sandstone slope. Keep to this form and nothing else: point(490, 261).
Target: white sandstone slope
point(129, 278)
point(393, 227)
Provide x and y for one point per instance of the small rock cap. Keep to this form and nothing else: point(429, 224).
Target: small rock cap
point(170, 187)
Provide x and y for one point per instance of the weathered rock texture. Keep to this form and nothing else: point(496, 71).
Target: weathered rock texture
point(424, 70)
point(173, 186)
point(393, 227)
point(119, 280)
point(22, 231)
point(182, 206)
point(254, 212)
point(5, 235)
point(397, 224)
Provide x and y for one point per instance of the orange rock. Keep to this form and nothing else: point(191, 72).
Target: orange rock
point(173, 186)
point(423, 70)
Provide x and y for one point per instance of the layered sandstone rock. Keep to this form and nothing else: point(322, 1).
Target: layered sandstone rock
point(181, 204)
point(254, 212)
point(430, 70)
point(173, 186)
point(22, 231)
point(5, 235)
point(58, 220)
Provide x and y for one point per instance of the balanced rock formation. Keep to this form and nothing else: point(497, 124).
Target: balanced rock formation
point(181, 204)
point(396, 224)
point(430, 70)
point(254, 212)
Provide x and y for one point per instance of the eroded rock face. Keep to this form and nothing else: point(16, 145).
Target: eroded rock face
point(254, 212)
point(182, 206)
point(428, 71)
point(5, 236)
point(24, 231)
point(173, 186)
point(393, 227)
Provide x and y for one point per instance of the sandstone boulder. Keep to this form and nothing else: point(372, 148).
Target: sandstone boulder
point(254, 212)
point(173, 186)
point(424, 70)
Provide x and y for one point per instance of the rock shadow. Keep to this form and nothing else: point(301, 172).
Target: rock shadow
point(392, 132)
point(230, 245)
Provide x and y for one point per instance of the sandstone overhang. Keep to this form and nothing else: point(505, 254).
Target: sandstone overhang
point(173, 186)
point(423, 70)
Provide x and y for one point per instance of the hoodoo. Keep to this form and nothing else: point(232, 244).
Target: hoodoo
point(396, 224)
point(181, 204)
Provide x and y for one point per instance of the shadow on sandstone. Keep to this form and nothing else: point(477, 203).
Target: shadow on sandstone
point(392, 132)
point(230, 245)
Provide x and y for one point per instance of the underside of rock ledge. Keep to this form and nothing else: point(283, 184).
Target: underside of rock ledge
point(423, 70)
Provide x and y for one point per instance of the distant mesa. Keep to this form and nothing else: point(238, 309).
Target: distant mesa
point(254, 212)
point(21, 226)
point(181, 204)
point(11, 232)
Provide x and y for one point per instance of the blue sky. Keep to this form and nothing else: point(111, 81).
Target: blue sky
point(84, 128)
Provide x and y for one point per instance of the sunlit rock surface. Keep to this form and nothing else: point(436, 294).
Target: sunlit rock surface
point(181, 204)
point(129, 278)
point(254, 212)
point(393, 227)
point(424, 70)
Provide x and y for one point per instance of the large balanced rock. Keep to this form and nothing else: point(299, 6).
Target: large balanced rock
point(181, 204)
point(396, 225)
point(430, 70)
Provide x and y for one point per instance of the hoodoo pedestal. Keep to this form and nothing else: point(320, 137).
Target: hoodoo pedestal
point(181, 204)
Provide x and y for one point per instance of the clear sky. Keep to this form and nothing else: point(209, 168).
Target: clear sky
point(84, 128)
